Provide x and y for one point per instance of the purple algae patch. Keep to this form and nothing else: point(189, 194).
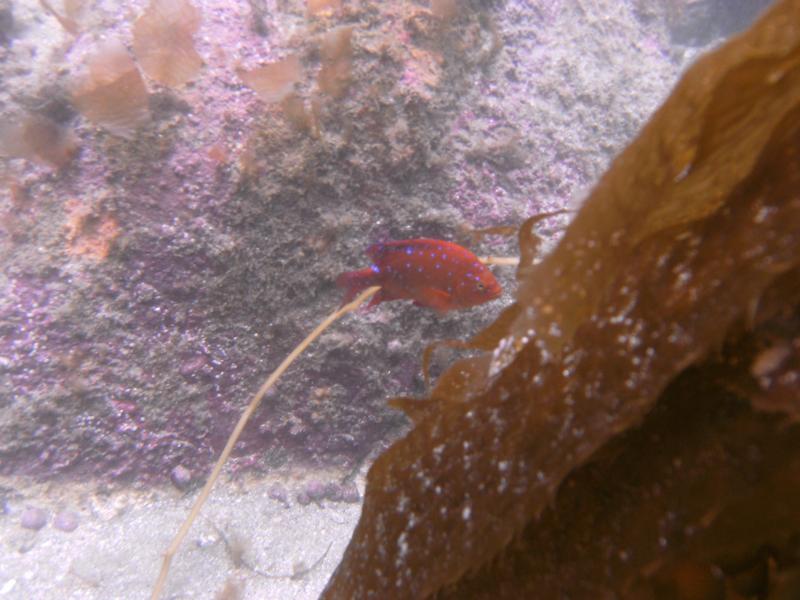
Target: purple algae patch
point(66, 521)
point(315, 490)
point(33, 518)
point(348, 492)
point(342, 492)
point(180, 477)
point(278, 493)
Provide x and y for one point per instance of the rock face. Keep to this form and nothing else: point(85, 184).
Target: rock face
point(148, 286)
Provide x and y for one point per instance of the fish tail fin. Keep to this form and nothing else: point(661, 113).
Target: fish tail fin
point(355, 282)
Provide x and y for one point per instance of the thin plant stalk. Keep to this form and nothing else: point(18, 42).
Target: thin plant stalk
point(509, 261)
point(234, 437)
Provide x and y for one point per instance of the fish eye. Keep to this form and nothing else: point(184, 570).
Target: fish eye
point(481, 287)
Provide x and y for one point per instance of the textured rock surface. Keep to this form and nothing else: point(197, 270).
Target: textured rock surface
point(147, 288)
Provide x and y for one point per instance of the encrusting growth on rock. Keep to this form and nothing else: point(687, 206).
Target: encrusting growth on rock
point(294, 108)
point(113, 94)
point(274, 81)
point(323, 7)
point(38, 138)
point(163, 44)
point(90, 231)
point(337, 58)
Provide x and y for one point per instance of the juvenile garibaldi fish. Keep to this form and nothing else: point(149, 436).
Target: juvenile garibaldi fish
point(433, 273)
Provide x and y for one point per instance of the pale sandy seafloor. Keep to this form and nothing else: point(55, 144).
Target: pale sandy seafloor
point(116, 550)
point(574, 81)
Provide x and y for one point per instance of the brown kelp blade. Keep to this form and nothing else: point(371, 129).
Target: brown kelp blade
point(600, 439)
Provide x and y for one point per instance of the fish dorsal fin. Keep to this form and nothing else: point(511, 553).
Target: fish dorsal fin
point(376, 251)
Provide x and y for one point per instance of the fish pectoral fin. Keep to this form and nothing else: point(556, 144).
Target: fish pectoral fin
point(383, 295)
point(436, 299)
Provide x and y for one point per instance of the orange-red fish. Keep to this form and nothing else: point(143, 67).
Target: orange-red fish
point(433, 273)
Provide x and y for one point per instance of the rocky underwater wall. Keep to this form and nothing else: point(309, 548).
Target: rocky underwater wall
point(632, 431)
point(182, 181)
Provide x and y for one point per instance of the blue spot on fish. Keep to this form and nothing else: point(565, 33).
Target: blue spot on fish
point(375, 268)
point(409, 250)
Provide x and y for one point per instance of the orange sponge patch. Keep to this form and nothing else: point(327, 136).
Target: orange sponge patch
point(90, 233)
